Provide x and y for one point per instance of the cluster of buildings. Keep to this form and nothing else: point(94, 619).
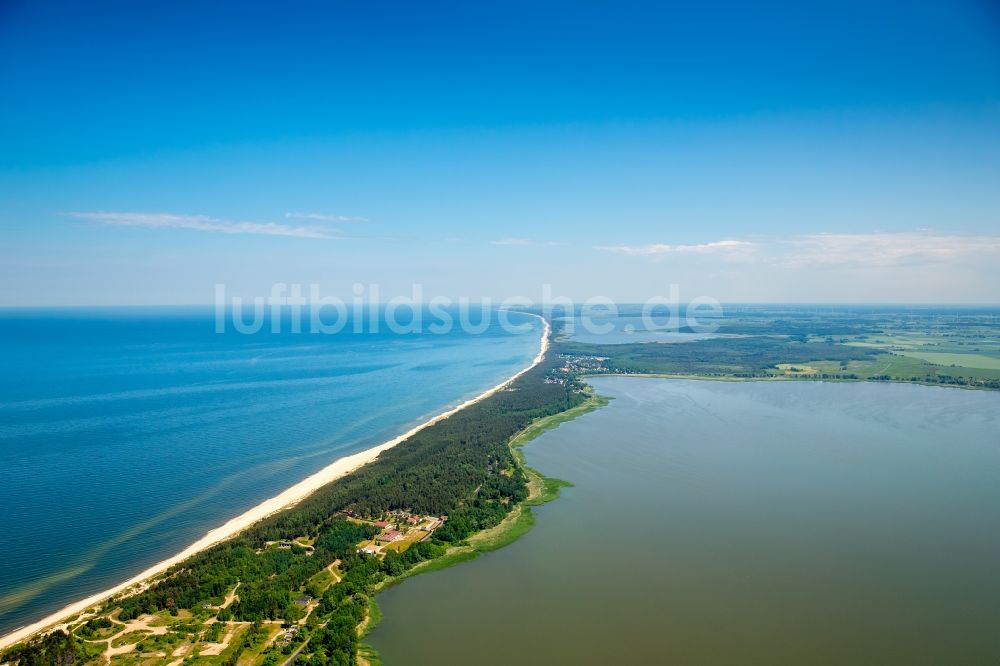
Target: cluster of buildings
point(288, 545)
point(289, 634)
point(396, 527)
point(573, 364)
point(389, 535)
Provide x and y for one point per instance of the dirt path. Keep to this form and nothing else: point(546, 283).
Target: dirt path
point(140, 623)
point(231, 597)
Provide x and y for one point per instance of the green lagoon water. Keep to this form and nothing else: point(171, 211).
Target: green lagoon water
point(738, 523)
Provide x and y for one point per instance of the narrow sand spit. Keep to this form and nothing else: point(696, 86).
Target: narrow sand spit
point(291, 496)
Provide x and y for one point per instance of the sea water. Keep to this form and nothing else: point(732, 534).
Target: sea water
point(127, 434)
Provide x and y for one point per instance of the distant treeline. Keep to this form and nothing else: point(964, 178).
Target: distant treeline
point(753, 357)
point(736, 357)
point(958, 381)
point(461, 467)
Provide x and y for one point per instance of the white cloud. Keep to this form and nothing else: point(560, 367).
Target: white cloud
point(199, 223)
point(324, 217)
point(858, 250)
point(880, 249)
point(525, 242)
point(655, 249)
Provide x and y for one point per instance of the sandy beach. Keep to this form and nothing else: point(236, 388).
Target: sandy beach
point(289, 497)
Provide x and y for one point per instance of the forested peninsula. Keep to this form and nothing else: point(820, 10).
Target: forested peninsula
point(298, 585)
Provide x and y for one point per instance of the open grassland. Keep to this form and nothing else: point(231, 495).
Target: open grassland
point(252, 653)
point(905, 367)
point(324, 578)
point(975, 361)
point(410, 538)
point(793, 369)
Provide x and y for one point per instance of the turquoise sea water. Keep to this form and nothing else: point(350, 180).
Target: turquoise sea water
point(126, 434)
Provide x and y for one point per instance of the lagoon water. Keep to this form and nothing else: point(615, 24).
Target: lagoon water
point(738, 523)
point(621, 330)
point(126, 434)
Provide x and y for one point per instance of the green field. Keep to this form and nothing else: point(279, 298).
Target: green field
point(977, 361)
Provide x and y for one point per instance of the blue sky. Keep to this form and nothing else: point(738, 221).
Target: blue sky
point(769, 151)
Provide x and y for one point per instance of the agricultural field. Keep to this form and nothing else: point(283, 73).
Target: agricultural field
point(951, 346)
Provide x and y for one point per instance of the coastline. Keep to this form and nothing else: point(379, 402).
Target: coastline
point(287, 498)
point(541, 490)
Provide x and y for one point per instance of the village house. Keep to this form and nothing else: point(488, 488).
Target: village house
point(389, 536)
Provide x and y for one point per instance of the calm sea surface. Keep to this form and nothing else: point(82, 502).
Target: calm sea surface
point(125, 435)
point(738, 523)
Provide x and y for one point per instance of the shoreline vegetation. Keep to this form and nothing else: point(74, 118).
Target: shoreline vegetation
point(804, 377)
point(541, 490)
point(299, 584)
